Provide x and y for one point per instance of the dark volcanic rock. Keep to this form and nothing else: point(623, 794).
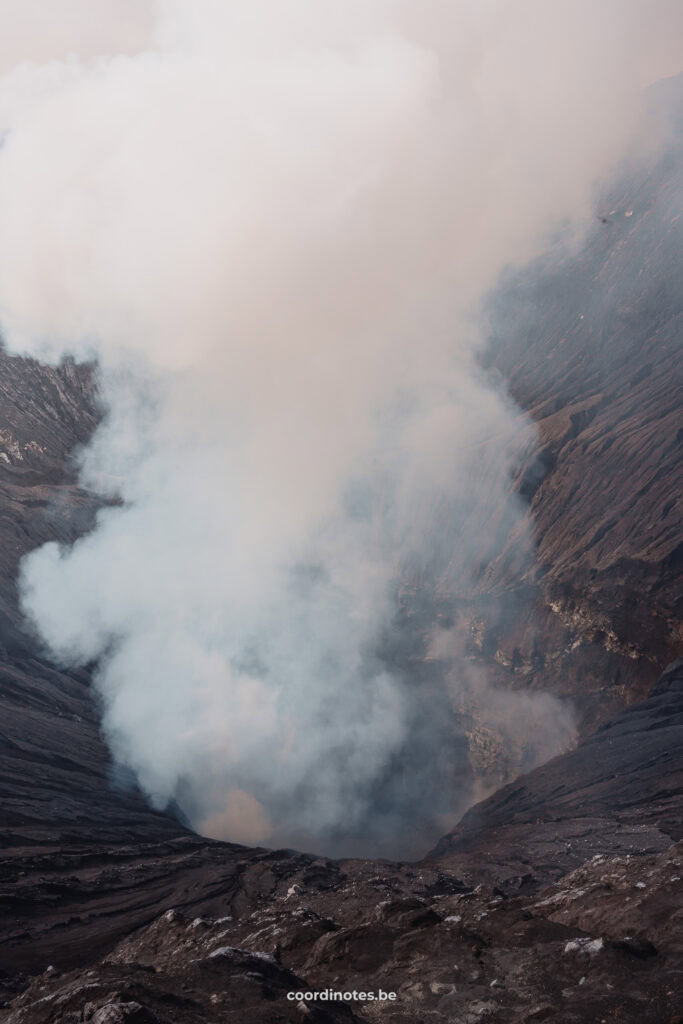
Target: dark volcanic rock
point(44, 415)
point(620, 790)
point(569, 954)
point(192, 930)
point(590, 346)
point(56, 786)
point(220, 983)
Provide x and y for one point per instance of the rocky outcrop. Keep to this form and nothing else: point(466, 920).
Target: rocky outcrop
point(56, 782)
point(45, 414)
point(589, 344)
point(558, 899)
point(605, 943)
point(620, 791)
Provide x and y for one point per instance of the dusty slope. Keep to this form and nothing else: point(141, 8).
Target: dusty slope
point(473, 934)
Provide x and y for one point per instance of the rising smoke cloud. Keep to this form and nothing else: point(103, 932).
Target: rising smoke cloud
point(272, 225)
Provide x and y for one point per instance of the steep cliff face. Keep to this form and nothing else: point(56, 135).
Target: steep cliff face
point(590, 346)
point(44, 415)
point(621, 790)
point(55, 778)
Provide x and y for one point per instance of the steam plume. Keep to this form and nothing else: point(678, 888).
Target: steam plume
point(272, 225)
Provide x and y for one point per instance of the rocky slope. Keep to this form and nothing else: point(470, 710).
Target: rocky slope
point(560, 899)
point(55, 780)
point(619, 791)
point(589, 344)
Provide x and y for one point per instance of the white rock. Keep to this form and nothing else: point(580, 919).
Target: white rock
point(584, 945)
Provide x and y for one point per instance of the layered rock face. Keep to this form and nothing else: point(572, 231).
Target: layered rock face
point(590, 346)
point(55, 778)
point(619, 791)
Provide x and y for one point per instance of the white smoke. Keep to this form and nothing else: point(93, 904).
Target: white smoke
point(272, 226)
point(35, 33)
